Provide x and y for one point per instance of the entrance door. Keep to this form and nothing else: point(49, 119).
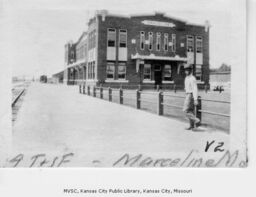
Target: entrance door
point(158, 74)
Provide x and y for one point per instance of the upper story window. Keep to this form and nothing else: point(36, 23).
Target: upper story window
point(199, 44)
point(190, 43)
point(158, 41)
point(142, 40)
point(111, 37)
point(166, 42)
point(123, 38)
point(150, 39)
point(173, 42)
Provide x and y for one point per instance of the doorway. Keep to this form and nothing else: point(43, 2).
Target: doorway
point(158, 74)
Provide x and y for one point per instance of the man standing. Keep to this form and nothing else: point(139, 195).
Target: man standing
point(191, 97)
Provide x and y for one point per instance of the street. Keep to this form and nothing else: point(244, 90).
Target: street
point(56, 119)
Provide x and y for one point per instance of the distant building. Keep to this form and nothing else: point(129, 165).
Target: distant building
point(58, 77)
point(130, 50)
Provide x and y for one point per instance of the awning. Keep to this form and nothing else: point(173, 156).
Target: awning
point(154, 57)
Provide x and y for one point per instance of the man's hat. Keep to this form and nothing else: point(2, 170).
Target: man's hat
point(187, 66)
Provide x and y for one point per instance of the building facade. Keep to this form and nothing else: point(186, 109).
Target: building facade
point(145, 50)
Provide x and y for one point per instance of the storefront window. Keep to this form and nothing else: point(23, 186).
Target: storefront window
point(111, 37)
point(198, 72)
point(167, 73)
point(121, 71)
point(147, 72)
point(110, 70)
point(190, 43)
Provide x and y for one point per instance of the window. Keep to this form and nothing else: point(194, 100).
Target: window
point(93, 70)
point(110, 70)
point(147, 72)
point(121, 71)
point(158, 41)
point(199, 72)
point(166, 42)
point(199, 44)
point(122, 38)
point(190, 43)
point(150, 38)
point(167, 73)
point(142, 40)
point(111, 37)
point(173, 42)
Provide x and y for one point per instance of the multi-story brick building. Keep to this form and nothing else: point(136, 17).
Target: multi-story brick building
point(148, 50)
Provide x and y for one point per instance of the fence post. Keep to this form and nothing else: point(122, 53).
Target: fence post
point(101, 92)
point(88, 90)
point(94, 91)
point(121, 96)
point(84, 89)
point(138, 99)
point(80, 88)
point(160, 99)
point(205, 88)
point(198, 108)
point(157, 88)
point(109, 94)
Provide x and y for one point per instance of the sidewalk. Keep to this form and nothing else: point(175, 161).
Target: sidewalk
point(57, 119)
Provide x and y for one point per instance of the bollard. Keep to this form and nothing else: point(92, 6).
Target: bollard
point(94, 91)
point(109, 94)
point(160, 100)
point(198, 109)
point(175, 88)
point(83, 89)
point(101, 92)
point(121, 96)
point(138, 99)
point(88, 90)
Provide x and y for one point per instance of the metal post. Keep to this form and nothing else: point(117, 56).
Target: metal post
point(109, 94)
point(101, 92)
point(88, 90)
point(160, 99)
point(138, 99)
point(94, 91)
point(121, 96)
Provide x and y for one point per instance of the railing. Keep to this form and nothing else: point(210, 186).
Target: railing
point(158, 98)
point(17, 97)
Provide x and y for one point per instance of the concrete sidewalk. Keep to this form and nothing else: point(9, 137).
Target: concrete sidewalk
point(56, 119)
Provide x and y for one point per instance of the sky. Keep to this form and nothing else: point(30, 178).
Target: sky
point(37, 32)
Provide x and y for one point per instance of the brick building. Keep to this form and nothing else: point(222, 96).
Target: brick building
point(148, 50)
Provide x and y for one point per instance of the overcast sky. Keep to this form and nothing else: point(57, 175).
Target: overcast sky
point(37, 32)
